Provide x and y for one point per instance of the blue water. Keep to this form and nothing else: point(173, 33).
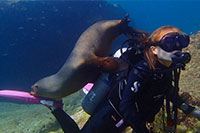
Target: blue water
point(37, 37)
point(151, 14)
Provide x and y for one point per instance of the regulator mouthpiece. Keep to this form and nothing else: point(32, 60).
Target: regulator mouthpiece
point(182, 58)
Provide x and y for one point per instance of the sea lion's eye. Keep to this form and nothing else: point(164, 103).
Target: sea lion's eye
point(36, 86)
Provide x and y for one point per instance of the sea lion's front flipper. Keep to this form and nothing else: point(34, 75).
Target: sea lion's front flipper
point(108, 64)
point(122, 65)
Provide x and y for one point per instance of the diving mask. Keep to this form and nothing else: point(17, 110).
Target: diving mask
point(174, 41)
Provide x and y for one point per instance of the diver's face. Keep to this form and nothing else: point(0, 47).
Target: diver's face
point(163, 56)
point(168, 49)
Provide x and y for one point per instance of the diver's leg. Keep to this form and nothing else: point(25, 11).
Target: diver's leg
point(95, 124)
point(66, 122)
point(101, 122)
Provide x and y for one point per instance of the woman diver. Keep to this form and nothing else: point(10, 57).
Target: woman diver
point(150, 81)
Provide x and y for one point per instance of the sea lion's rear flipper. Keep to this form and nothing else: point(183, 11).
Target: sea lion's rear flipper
point(136, 34)
point(130, 32)
point(125, 20)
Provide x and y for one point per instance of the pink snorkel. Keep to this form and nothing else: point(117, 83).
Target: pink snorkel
point(27, 98)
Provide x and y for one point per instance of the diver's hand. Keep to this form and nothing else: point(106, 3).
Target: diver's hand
point(195, 113)
point(190, 110)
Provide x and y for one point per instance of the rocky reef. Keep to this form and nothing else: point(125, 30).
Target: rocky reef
point(24, 118)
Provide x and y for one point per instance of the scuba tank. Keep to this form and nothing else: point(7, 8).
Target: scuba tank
point(97, 94)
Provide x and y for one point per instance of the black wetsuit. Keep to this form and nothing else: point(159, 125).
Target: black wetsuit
point(144, 94)
point(141, 99)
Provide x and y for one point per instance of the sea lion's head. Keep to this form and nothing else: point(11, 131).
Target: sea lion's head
point(45, 86)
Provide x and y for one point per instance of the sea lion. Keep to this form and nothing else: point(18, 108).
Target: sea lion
point(86, 61)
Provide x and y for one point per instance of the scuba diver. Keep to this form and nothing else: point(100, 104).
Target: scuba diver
point(138, 93)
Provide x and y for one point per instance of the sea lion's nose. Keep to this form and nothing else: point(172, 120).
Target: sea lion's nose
point(34, 88)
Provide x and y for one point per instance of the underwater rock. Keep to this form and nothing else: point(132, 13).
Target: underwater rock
point(25, 118)
point(80, 118)
point(181, 129)
point(189, 81)
point(197, 125)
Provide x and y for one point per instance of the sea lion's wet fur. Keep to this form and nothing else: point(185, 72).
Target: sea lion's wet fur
point(82, 66)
